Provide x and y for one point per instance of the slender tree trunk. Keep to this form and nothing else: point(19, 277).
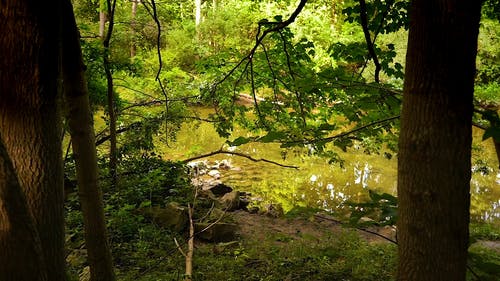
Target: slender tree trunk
point(30, 122)
point(81, 129)
point(113, 153)
point(133, 26)
point(497, 149)
point(21, 255)
point(102, 18)
point(435, 143)
point(197, 12)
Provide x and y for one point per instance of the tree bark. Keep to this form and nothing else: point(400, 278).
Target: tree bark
point(21, 255)
point(133, 26)
point(102, 18)
point(81, 128)
point(197, 12)
point(113, 153)
point(30, 122)
point(434, 167)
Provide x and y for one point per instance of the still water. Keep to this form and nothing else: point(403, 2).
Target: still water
point(319, 184)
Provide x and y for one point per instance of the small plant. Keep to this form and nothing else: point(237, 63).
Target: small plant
point(381, 210)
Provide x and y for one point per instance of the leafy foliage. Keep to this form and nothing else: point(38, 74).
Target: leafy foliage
point(381, 209)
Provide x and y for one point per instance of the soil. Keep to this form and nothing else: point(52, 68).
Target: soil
point(259, 226)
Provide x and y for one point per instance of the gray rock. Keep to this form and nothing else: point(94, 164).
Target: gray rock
point(172, 216)
point(214, 174)
point(220, 189)
point(230, 201)
point(219, 232)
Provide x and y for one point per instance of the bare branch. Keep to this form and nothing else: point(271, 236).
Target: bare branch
point(358, 228)
point(179, 247)
point(221, 151)
point(345, 134)
point(259, 39)
point(369, 43)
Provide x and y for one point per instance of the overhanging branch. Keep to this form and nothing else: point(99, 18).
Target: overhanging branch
point(221, 151)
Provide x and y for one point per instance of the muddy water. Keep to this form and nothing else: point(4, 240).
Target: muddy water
point(319, 184)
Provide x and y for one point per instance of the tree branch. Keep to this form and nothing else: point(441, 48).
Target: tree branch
point(259, 39)
point(221, 151)
point(345, 134)
point(369, 43)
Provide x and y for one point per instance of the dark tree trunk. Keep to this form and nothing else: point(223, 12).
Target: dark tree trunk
point(21, 254)
point(435, 143)
point(81, 129)
point(30, 122)
point(113, 150)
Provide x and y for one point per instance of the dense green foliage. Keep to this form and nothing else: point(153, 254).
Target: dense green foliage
point(312, 84)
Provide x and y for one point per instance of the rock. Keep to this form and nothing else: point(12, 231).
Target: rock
point(207, 194)
point(208, 183)
point(253, 210)
point(216, 214)
point(224, 165)
point(220, 189)
point(219, 232)
point(492, 245)
point(173, 216)
point(230, 201)
point(197, 168)
point(214, 174)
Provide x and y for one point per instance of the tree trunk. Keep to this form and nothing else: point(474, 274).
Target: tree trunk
point(81, 129)
point(435, 143)
point(133, 26)
point(21, 255)
point(102, 18)
point(197, 12)
point(497, 150)
point(113, 153)
point(30, 122)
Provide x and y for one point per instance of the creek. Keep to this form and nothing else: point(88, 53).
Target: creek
point(318, 184)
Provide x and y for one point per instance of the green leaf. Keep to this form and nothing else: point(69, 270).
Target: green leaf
point(272, 136)
point(327, 127)
point(239, 141)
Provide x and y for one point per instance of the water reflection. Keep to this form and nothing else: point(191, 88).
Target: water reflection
point(320, 184)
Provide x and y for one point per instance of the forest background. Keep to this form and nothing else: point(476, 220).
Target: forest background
point(312, 82)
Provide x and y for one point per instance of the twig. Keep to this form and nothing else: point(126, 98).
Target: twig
point(213, 223)
point(179, 247)
point(259, 39)
point(190, 251)
point(345, 134)
point(358, 228)
point(221, 151)
point(297, 94)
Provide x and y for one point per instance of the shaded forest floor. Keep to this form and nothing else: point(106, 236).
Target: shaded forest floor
point(304, 247)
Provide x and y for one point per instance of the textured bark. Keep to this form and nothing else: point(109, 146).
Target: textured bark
point(102, 17)
point(30, 122)
point(435, 143)
point(81, 129)
point(21, 255)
